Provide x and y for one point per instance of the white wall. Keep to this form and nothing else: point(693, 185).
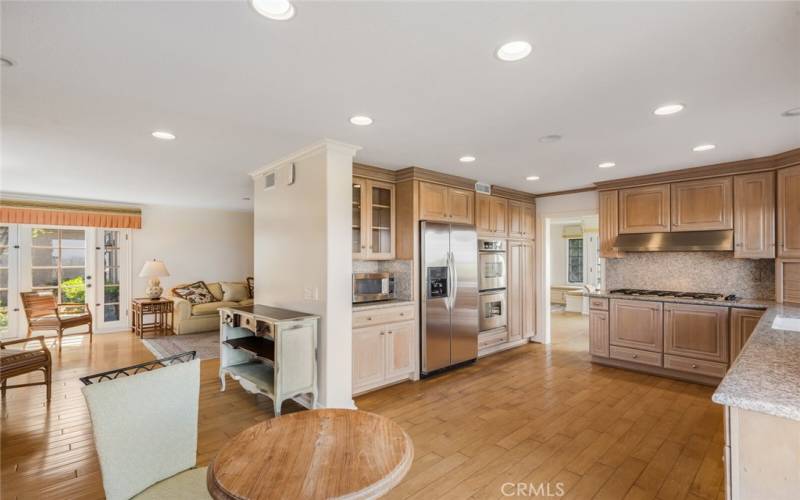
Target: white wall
point(558, 255)
point(194, 243)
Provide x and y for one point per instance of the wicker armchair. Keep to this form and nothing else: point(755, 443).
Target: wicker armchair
point(43, 313)
point(14, 362)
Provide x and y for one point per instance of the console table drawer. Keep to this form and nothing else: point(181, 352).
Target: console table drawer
point(699, 366)
point(635, 355)
point(383, 315)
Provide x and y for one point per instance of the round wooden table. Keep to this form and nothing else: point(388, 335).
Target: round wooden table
point(313, 454)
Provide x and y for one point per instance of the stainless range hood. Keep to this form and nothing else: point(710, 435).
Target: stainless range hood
point(687, 241)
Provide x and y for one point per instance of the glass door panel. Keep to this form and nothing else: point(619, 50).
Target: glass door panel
point(111, 286)
point(358, 194)
point(382, 215)
point(58, 263)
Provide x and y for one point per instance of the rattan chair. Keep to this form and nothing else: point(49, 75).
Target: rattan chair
point(44, 313)
point(14, 362)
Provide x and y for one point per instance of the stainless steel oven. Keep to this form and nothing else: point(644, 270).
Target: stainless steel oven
point(370, 287)
point(492, 310)
point(491, 264)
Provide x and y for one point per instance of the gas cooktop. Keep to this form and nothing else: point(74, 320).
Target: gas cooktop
point(671, 294)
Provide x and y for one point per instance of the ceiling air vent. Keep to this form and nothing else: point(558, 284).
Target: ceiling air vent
point(482, 187)
point(269, 180)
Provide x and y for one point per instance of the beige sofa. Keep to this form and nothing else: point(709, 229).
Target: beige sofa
point(195, 318)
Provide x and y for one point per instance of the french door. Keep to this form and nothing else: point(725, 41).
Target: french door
point(9, 292)
point(113, 269)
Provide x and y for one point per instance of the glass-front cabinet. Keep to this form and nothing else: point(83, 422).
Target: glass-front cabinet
point(373, 220)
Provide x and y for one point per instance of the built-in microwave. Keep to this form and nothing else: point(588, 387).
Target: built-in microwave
point(371, 287)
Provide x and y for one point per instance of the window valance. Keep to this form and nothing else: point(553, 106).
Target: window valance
point(69, 214)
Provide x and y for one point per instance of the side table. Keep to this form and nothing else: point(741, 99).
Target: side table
point(162, 311)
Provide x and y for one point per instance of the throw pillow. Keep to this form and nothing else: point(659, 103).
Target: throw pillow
point(196, 293)
point(251, 286)
point(233, 292)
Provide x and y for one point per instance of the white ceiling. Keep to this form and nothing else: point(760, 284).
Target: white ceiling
point(93, 79)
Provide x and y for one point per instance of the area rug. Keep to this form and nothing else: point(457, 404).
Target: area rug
point(206, 344)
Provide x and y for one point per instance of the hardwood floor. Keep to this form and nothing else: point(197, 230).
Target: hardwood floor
point(532, 415)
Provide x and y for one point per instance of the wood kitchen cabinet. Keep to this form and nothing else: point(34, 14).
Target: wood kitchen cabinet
point(789, 212)
point(399, 349)
point(743, 322)
point(702, 205)
point(598, 333)
point(787, 274)
point(446, 204)
point(521, 220)
point(521, 300)
point(696, 331)
point(491, 213)
point(609, 224)
point(383, 353)
point(636, 324)
point(369, 362)
point(754, 216)
point(373, 234)
point(644, 209)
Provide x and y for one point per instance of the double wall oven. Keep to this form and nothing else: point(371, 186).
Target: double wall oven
point(492, 278)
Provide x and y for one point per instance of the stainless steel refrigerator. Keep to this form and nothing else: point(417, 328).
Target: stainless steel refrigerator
point(449, 316)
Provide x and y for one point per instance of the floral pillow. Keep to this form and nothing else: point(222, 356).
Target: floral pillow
point(251, 286)
point(196, 293)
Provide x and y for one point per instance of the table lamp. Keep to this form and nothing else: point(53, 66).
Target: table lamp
point(153, 269)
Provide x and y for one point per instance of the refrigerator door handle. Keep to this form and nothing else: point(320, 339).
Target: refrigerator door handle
point(449, 289)
point(455, 281)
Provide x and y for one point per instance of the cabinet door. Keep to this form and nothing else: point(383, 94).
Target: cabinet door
point(644, 209)
point(598, 333)
point(789, 212)
point(460, 206)
point(433, 202)
point(369, 366)
point(754, 216)
point(696, 331)
point(529, 289)
point(499, 215)
point(381, 204)
point(702, 205)
point(529, 221)
point(515, 290)
point(399, 349)
point(787, 276)
point(483, 214)
point(637, 324)
point(609, 224)
point(743, 322)
point(360, 240)
point(515, 220)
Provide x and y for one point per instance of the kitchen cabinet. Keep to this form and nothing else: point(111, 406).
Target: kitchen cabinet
point(789, 212)
point(598, 333)
point(696, 331)
point(787, 276)
point(637, 324)
point(743, 322)
point(399, 349)
point(609, 224)
point(644, 209)
point(521, 220)
point(521, 301)
point(754, 216)
point(491, 213)
point(446, 204)
point(702, 205)
point(369, 363)
point(383, 353)
point(373, 234)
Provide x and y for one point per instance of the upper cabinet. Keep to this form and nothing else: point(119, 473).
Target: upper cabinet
point(446, 204)
point(609, 224)
point(490, 215)
point(644, 209)
point(521, 220)
point(789, 212)
point(754, 215)
point(373, 220)
point(702, 205)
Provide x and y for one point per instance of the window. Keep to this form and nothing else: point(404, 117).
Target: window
point(4, 278)
point(575, 260)
point(58, 263)
point(111, 250)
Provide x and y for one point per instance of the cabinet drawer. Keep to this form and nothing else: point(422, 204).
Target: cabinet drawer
point(635, 355)
point(492, 338)
point(247, 321)
point(690, 365)
point(597, 303)
point(383, 315)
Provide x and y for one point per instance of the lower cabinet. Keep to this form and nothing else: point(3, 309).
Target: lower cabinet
point(598, 333)
point(696, 331)
point(743, 322)
point(383, 354)
point(637, 324)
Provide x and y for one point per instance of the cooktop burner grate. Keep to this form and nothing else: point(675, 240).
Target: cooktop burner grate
point(668, 293)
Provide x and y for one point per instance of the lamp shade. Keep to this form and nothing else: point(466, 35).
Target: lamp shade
point(153, 269)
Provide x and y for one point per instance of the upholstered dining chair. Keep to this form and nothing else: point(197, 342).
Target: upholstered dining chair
point(14, 362)
point(44, 313)
point(145, 432)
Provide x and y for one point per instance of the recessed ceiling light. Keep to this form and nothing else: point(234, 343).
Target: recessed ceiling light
point(466, 159)
point(514, 51)
point(607, 164)
point(532, 178)
point(704, 147)
point(164, 135)
point(6, 63)
point(361, 120)
point(668, 109)
point(277, 10)
point(550, 138)
point(791, 112)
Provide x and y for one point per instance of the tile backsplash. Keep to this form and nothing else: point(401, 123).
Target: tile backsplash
point(715, 272)
point(402, 270)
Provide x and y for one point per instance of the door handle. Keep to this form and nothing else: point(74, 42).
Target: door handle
point(455, 279)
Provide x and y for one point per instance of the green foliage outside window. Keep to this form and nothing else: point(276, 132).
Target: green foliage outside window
point(73, 291)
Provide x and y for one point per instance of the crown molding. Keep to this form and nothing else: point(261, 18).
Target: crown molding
point(423, 174)
point(311, 150)
point(374, 173)
point(513, 194)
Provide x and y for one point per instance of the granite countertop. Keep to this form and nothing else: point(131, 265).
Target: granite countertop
point(382, 304)
point(739, 302)
point(766, 376)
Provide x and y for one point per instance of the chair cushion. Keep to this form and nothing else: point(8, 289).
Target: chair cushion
point(11, 359)
point(195, 293)
point(186, 485)
point(210, 308)
point(234, 291)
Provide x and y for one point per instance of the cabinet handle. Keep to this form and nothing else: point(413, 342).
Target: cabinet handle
point(363, 247)
point(383, 333)
point(390, 332)
point(635, 356)
point(402, 314)
point(369, 318)
point(694, 365)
